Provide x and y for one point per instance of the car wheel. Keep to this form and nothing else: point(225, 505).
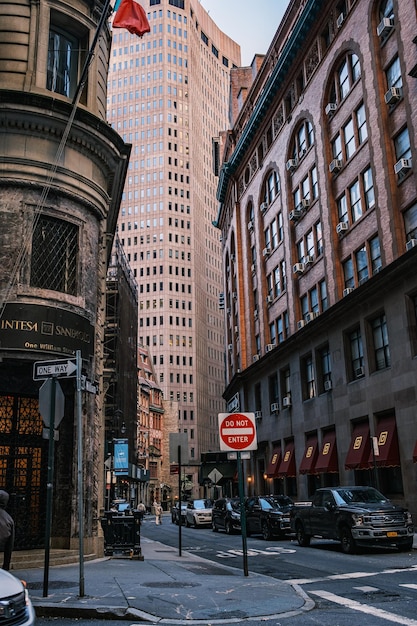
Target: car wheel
point(302, 538)
point(348, 542)
point(194, 522)
point(266, 531)
point(228, 527)
point(214, 527)
point(405, 547)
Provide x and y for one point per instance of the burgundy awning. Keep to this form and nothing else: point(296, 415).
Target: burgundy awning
point(415, 454)
point(387, 439)
point(360, 447)
point(308, 463)
point(327, 459)
point(273, 465)
point(287, 465)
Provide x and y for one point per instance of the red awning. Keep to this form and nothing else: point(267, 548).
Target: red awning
point(308, 462)
point(287, 465)
point(387, 439)
point(272, 469)
point(415, 454)
point(327, 459)
point(360, 447)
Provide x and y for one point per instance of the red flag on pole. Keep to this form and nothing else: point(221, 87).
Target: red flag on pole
point(132, 16)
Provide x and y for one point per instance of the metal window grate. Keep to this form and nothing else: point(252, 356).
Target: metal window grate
point(54, 255)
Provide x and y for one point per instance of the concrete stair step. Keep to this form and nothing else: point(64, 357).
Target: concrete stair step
point(26, 559)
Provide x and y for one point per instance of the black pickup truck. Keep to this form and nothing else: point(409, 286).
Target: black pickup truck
point(355, 516)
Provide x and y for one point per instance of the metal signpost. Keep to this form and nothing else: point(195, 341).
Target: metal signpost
point(238, 433)
point(51, 407)
point(178, 453)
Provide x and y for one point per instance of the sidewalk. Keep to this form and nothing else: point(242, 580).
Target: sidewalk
point(164, 588)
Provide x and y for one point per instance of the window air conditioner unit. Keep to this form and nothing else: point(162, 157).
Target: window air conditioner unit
point(295, 215)
point(402, 166)
point(335, 166)
point(264, 207)
point(309, 259)
point(393, 95)
point(237, 330)
point(255, 314)
point(347, 291)
point(327, 385)
point(252, 268)
point(233, 258)
point(298, 268)
point(230, 346)
point(250, 225)
point(228, 310)
point(266, 251)
point(340, 20)
point(269, 299)
point(311, 315)
point(275, 407)
point(305, 203)
point(410, 244)
point(234, 295)
point(286, 402)
point(258, 415)
point(359, 372)
point(385, 26)
point(255, 357)
point(300, 324)
point(342, 227)
point(291, 165)
point(270, 346)
point(330, 108)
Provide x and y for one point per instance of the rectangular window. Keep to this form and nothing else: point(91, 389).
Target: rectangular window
point(356, 353)
point(310, 382)
point(362, 265)
point(381, 345)
point(355, 201)
point(54, 259)
point(375, 254)
point(348, 273)
point(325, 366)
point(63, 62)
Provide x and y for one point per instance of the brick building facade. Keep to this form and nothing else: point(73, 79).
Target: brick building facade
point(318, 213)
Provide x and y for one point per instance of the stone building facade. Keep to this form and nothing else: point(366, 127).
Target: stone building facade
point(168, 97)
point(318, 215)
point(61, 176)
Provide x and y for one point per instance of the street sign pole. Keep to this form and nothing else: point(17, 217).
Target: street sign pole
point(242, 514)
point(49, 486)
point(80, 474)
point(179, 503)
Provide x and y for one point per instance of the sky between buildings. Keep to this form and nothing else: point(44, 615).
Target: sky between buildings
point(251, 23)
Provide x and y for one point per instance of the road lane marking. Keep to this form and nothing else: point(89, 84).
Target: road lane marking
point(364, 608)
point(409, 585)
point(351, 575)
point(366, 589)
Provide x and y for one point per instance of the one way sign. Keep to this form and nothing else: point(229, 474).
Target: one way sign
point(64, 368)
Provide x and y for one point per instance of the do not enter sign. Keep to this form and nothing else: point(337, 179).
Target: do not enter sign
point(237, 431)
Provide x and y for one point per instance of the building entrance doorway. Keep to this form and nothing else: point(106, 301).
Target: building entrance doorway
point(23, 467)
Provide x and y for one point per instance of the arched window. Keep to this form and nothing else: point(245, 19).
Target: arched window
point(272, 188)
point(303, 140)
point(346, 75)
point(386, 9)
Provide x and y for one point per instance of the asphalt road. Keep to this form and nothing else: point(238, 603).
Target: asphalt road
point(373, 588)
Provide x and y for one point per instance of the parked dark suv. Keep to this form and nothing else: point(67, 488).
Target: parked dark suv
point(226, 515)
point(268, 516)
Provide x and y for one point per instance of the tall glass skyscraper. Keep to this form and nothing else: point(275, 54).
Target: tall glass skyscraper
point(168, 95)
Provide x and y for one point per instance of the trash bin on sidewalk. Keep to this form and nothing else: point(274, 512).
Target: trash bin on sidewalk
point(122, 534)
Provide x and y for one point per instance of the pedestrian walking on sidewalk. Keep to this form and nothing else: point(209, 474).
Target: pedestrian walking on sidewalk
point(6, 531)
point(158, 512)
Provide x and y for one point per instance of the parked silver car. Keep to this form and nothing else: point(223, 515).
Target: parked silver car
point(15, 606)
point(198, 513)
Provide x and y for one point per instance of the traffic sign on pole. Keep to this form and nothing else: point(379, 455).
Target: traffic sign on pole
point(237, 431)
point(63, 368)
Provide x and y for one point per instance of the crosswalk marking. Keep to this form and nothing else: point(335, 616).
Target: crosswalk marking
point(349, 576)
point(364, 608)
point(409, 585)
point(366, 589)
